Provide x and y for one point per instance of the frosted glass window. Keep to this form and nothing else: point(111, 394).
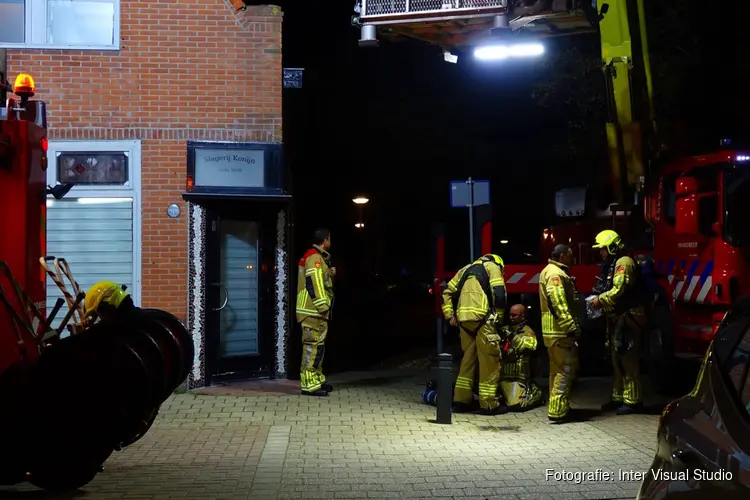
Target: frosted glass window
point(81, 22)
point(12, 21)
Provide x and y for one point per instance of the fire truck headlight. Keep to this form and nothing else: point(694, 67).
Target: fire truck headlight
point(743, 158)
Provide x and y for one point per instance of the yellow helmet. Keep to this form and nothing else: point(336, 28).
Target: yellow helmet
point(610, 240)
point(104, 292)
point(491, 257)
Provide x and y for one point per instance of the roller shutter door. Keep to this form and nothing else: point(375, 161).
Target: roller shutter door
point(95, 236)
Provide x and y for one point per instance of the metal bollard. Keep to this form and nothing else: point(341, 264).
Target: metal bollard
point(444, 388)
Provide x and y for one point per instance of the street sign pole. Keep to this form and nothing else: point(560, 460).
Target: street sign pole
point(470, 182)
point(470, 194)
point(464, 194)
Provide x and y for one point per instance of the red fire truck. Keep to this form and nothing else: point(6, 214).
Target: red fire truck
point(699, 218)
point(23, 187)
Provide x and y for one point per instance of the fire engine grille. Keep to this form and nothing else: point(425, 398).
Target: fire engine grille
point(390, 7)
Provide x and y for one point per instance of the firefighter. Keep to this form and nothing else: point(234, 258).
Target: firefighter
point(623, 307)
point(516, 386)
point(314, 303)
point(474, 300)
point(561, 330)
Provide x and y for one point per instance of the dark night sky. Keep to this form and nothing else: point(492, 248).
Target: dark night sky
point(397, 123)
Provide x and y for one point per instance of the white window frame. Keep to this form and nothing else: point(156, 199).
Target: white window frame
point(132, 189)
point(37, 28)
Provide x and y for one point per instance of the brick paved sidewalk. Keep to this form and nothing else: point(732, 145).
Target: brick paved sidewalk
point(370, 439)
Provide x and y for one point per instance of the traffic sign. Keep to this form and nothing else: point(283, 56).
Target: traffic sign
point(461, 193)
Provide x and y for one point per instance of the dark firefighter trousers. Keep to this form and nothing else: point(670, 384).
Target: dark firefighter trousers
point(314, 331)
point(563, 365)
point(481, 350)
point(624, 339)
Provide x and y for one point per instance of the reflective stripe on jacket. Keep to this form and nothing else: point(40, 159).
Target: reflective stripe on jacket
point(479, 305)
point(524, 344)
point(314, 285)
point(620, 297)
point(558, 303)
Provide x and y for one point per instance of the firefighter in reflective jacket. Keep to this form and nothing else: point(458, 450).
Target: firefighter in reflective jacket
point(474, 300)
point(516, 386)
point(561, 330)
point(622, 303)
point(314, 302)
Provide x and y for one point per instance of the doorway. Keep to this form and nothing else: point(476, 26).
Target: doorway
point(237, 345)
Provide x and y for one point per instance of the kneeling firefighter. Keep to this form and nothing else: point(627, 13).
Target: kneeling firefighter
point(623, 304)
point(474, 300)
point(516, 386)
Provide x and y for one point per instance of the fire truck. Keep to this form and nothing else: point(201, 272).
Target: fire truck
point(23, 186)
point(75, 392)
point(684, 217)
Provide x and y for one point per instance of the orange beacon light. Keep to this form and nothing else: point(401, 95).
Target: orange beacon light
point(24, 86)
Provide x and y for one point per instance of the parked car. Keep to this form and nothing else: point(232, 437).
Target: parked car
point(704, 438)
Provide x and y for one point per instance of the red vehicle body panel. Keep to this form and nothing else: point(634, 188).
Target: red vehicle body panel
point(22, 191)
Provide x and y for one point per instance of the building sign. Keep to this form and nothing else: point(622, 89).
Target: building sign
point(240, 168)
point(293, 78)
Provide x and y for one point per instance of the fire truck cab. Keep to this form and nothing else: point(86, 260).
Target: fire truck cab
point(697, 240)
point(699, 209)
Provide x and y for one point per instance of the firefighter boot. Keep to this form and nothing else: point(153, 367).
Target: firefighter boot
point(498, 410)
point(319, 392)
point(327, 387)
point(630, 409)
point(612, 405)
point(459, 407)
point(560, 420)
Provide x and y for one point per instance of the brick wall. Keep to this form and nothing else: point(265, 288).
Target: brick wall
point(185, 70)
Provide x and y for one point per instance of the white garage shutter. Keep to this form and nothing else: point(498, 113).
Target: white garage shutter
point(95, 236)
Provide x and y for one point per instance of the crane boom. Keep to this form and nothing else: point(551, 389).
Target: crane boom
point(626, 65)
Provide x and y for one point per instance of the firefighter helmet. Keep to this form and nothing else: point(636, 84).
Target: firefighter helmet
point(104, 292)
point(491, 257)
point(609, 240)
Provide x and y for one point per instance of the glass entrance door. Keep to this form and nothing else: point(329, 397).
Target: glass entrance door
point(238, 312)
point(233, 326)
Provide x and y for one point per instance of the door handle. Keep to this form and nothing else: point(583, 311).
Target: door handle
point(226, 296)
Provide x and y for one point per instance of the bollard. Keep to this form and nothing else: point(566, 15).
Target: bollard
point(444, 388)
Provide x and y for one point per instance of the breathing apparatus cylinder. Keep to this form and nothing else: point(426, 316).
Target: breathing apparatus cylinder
point(430, 397)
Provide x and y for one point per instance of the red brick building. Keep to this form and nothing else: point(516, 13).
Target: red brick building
point(128, 85)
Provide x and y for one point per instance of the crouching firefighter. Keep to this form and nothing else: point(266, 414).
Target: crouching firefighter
point(561, 330)
point(516, 385)
point(314, 302)
point(474, 300)
point(623, 303)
